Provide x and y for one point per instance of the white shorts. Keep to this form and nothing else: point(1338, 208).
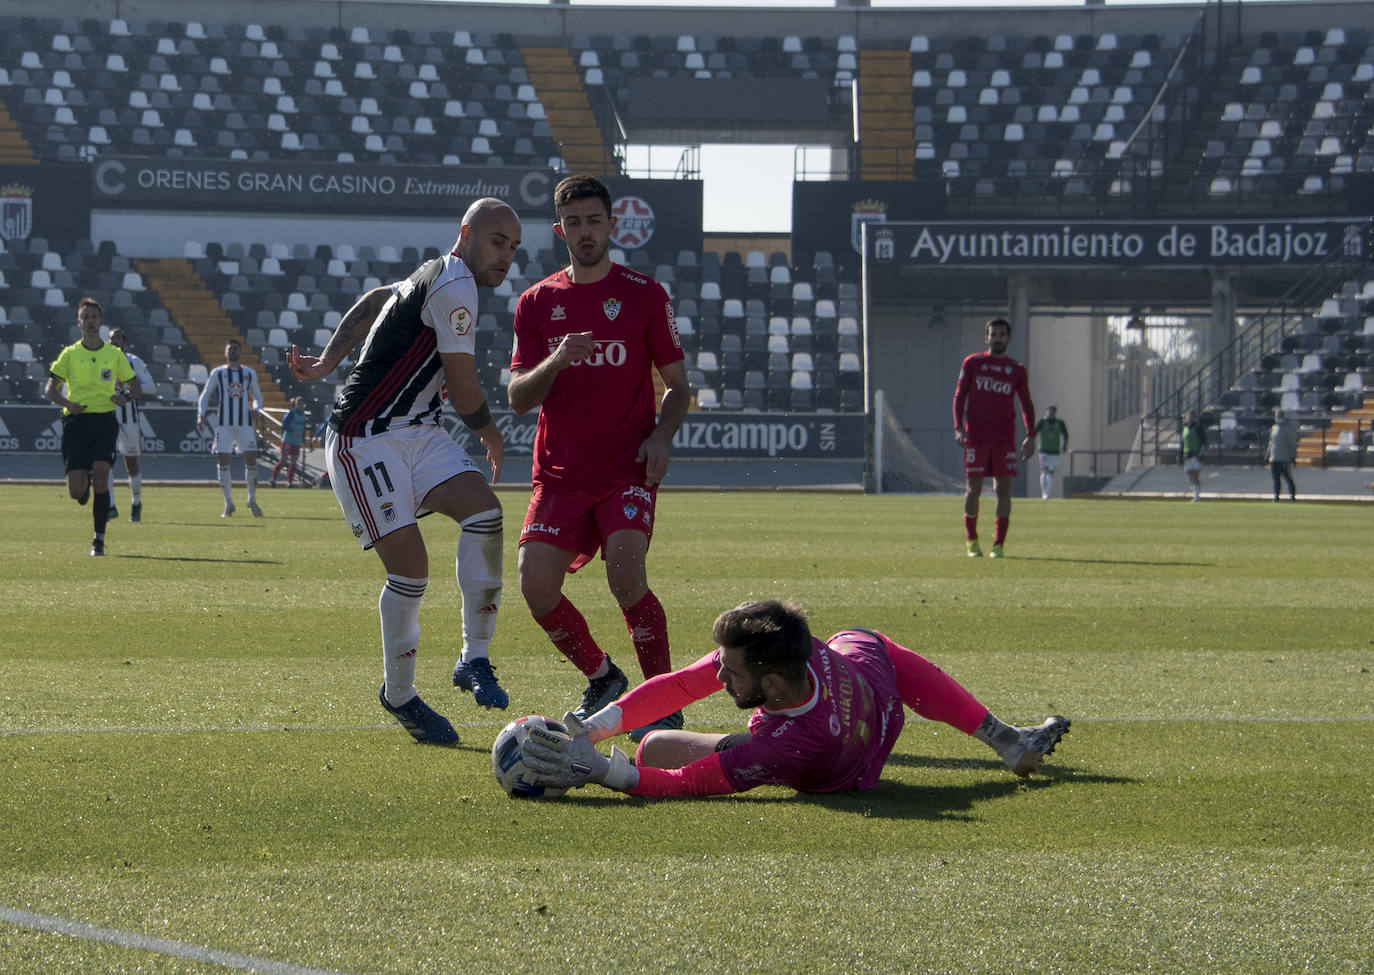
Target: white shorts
point(1192, 464)
point(130, 442)
point(229, 439)
point(1049, 463)
point(381, 481)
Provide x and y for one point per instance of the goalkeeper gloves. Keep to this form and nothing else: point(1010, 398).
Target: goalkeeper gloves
point(570, 764)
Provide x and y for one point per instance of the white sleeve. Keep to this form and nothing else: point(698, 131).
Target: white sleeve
point(203, 404)
point(254, 391)
point(451, 310)
point(145, 378)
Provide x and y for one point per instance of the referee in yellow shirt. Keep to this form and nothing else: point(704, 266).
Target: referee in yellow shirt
point(90, 370)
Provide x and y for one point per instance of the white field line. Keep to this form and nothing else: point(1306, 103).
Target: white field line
point(913, 721)
point(161, 946)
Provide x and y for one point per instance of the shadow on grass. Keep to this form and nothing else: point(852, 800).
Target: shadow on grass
point(1050, 558)
point(189, 558)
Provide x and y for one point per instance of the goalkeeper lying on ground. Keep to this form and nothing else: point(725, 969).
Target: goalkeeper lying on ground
point(826, 715)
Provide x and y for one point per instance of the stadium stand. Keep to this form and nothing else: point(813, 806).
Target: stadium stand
point(1001, 120)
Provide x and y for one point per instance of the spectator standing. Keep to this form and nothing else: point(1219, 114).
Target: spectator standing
point(293, 424)
point(1282, 453)
point(130, 442)
point(85, 381)
point(391, 462)
point(1052, 440)
point(587, 339)
point(232, 391)
point(985, 426)
point(1192, 441)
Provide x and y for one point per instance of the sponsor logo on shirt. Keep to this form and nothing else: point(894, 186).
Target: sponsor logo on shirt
point(611, 306)
point(611, 353)
point(672, 325)
point(990, 385)
point(106, 375)
point(559, 314)
point(461, 320)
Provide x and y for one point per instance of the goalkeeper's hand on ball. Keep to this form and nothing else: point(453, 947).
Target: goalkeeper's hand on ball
point(563, 763)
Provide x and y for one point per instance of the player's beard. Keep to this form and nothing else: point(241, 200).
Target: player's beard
point(598, 253)
point(754, 699)
point(998, 348)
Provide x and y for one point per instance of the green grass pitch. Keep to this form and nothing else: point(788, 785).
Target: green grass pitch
point(194, 768)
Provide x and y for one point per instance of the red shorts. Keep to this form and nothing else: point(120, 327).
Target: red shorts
point(581, 521)
point(989, 460)
point(289, 450)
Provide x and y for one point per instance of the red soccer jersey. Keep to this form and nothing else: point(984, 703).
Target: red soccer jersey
point(599, 411)
point(982, 399)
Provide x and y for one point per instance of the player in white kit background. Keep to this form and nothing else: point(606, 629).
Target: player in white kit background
point(231, 400)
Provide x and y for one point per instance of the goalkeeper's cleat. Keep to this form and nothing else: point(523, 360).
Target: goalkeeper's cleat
point(478, 676)
point(996, 552)
point(253, 507)
point(974, 549)
point(602, 691)
point(425, 725)
point(229, 509)
point(136, 513)
point(669, 722)
point(1034, 744)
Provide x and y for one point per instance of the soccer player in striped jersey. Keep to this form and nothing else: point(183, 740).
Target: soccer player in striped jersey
point(130, 430)
point(232, 391)
point(826, 715)
point(391, 462)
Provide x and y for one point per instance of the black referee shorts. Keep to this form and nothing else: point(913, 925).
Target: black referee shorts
point(87, 438)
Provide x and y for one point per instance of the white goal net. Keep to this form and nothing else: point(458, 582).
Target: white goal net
point(898, 467)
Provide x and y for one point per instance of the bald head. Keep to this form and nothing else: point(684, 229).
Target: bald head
point(488, 239)
point(484, 210)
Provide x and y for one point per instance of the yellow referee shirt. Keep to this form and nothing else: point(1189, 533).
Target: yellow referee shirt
point(91, 375)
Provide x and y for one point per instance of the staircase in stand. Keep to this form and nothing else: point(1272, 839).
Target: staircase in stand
point(1311, 448)
point(558, 84)
point(14, 148)
point(194, 309)
point(887, 135)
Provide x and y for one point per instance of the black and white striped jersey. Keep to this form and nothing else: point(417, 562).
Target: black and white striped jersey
point(398, 379)
point(232, 393)
point(128, 413)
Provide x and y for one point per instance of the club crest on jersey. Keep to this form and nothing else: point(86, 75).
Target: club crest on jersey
point(611, 306)
point(461, 320)
point(389, 513)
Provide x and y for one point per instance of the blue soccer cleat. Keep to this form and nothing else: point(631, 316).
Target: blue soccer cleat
point(478, 676)
point(425, 725)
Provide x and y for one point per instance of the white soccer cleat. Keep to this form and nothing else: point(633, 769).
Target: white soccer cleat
point(1035, 743)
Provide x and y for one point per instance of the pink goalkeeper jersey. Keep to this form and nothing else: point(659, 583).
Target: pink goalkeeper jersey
point(838, 739)
point(983, 399)
point(599, 411)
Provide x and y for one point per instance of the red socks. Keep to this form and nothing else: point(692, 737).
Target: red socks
point(1001, 536)
point(971, 526)
point(648, 626)
point(567, 628)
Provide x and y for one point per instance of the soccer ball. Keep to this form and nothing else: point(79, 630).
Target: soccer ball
point(508, 758)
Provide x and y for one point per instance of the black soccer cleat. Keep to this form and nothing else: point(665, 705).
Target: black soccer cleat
point(425, 725)
point(601, 691)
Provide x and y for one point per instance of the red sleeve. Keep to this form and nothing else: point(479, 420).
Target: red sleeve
point(1027, 407)
point(961, 396)
point(665, 347)
point(529, 348)
point(704, 777)
point(670, 692)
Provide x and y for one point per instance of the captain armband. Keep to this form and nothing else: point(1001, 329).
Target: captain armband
point(478, 418)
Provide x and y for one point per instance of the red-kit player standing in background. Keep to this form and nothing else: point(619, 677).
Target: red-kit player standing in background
point(985, 426)
point(586, 341)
